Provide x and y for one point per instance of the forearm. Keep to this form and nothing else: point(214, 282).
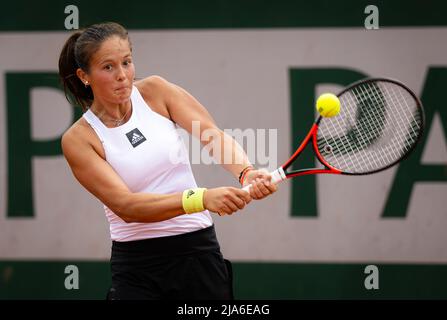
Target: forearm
point(145, 207)
point(227, 152)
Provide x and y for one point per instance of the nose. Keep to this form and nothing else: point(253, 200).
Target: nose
point(121, 75)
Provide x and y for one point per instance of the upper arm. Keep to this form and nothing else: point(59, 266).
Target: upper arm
point(92, 171)
point(179, 105)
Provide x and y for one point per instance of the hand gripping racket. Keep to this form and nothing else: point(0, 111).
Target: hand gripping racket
point(379, 124)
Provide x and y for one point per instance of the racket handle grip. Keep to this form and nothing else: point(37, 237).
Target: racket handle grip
point(278, 175)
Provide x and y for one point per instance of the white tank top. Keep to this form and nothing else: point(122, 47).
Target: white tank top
point(149, 155)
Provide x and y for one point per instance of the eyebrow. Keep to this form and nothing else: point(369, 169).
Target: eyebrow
point(110, 60)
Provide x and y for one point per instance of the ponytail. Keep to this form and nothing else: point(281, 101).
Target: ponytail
point(77, 52)
point(75, 91)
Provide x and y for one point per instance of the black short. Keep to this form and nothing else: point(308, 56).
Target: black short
point(187, 266)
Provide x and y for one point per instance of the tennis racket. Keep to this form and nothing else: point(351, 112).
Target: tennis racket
point(379, 124)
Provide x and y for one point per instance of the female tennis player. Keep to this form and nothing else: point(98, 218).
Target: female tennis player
point(164, 245)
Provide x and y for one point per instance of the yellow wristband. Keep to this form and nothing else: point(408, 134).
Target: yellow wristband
point(192, 200)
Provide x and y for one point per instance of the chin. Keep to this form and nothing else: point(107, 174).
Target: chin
point(123, 95)
point(123, 101)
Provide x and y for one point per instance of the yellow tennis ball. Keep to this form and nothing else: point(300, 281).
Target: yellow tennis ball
point(328, 105)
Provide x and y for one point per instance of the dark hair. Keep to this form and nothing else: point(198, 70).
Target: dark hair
point(77, 52)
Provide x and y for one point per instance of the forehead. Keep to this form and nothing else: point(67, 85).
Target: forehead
point(112, 48)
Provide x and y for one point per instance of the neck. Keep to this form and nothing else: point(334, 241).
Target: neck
point(111, 114)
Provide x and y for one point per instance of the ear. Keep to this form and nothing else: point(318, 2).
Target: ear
point(83, 76)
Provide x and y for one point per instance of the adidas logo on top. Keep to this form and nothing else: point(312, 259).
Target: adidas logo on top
point(135, 137)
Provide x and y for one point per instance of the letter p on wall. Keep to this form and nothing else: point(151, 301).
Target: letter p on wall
point(21, 146)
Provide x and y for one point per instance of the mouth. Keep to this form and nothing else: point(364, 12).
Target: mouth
point(121, 88)
point(121, 92)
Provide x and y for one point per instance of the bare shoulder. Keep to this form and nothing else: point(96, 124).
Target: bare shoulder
point(74, 134)
point(155, 90)
point(153, 82)
point(152, 87)
point(80, 136)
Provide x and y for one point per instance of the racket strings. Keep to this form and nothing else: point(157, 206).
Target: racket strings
point(352, 142)
point(342, 143)
point(379, 123)
point(394, 145)
point(415, 121)
point(379, 98)
point(398, 143)
point(389, 154)
point(376, 122)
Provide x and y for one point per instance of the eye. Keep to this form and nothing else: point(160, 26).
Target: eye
point(127, 62)
point(108, 67)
